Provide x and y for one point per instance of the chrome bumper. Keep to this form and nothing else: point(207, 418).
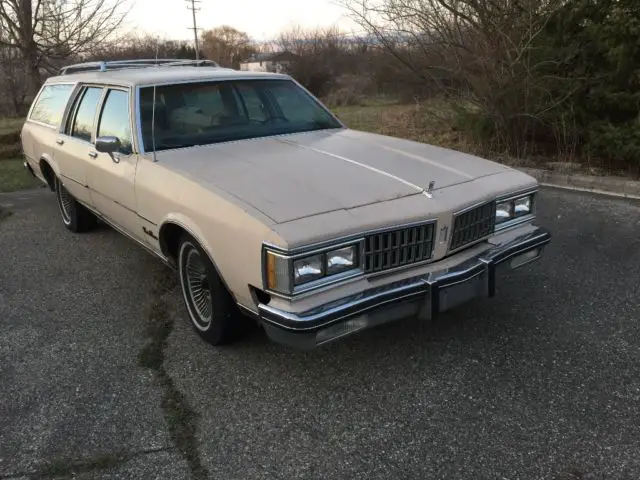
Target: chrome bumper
point(425, 296)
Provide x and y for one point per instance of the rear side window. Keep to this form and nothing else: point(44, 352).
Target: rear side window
point(50, 105)
point(82, 123)
point(114, 120)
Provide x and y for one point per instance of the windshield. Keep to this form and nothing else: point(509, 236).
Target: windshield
point(211, 112)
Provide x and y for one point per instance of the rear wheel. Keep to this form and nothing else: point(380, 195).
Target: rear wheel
point(211, 308)
point(74, 216)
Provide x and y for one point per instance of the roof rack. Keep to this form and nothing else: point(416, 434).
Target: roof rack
point(103, 66)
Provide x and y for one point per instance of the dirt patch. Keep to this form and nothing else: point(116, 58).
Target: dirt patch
point(4, 213)
point(69, 468)
point(180, 417)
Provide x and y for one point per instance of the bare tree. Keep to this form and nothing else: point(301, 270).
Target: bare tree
point(45, 32)
point(227, 46)
point(484, 51)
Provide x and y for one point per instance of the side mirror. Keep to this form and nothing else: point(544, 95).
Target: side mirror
point(108, 144)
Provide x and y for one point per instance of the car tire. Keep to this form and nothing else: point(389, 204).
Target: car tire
point(211, 308)
point(74, 215)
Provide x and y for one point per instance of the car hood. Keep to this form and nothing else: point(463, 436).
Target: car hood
point(299, 175)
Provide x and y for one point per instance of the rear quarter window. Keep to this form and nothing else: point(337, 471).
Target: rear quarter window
point(50, 104)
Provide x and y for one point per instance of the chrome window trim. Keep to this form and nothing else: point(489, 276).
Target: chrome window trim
point(39, 94)
point(103, 102)
point(138, 121)
point(270, 77)
point(42, 124)
point(77, 99)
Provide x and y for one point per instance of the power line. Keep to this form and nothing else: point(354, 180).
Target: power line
point(194, 9)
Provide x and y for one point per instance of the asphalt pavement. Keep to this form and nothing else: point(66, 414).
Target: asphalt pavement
point(102, 377)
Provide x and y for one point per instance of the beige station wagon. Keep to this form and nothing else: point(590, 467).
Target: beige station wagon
point(268, 206)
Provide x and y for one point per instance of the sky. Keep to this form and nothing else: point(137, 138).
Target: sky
point(261, 19)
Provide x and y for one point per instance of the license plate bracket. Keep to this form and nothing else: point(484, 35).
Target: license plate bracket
point(451, 296)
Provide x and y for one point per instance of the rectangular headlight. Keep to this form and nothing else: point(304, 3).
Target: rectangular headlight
point(308, 269)
point(290, 273)
point(522, 206)
point(341, 260)
point(507, 210)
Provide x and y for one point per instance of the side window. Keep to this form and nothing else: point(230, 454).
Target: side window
point(252, 102)
point(82, 123)
point(114, 119)
point(50, 105)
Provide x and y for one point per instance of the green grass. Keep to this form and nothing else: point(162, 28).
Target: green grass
point(13, 176)
point(10, 125)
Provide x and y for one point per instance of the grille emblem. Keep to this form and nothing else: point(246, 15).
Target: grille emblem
point(444, 231)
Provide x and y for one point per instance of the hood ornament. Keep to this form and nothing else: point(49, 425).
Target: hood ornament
point(429, 191)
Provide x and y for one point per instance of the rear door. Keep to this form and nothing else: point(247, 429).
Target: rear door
point(110, 177)
point(75, 143)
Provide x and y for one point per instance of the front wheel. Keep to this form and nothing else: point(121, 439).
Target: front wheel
point(74, 215)
point(211, 308)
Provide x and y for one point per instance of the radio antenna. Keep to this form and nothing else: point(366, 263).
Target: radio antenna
point(153, 114)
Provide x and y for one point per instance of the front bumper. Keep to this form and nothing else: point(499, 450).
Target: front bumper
point(424, 295)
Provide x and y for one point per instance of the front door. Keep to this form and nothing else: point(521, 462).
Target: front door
point(111, 177)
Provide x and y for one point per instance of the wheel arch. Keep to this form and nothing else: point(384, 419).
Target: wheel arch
point(169, 235)
point(49, 170)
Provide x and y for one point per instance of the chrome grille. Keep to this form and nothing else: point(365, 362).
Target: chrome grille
point(397, 248)
point(473, 225)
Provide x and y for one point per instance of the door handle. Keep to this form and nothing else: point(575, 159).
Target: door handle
point(60, 141)
point(93, 154)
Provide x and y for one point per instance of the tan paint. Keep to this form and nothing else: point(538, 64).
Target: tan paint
point(290, 191)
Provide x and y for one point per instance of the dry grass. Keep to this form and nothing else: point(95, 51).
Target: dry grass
point(435, 122)
point(431, 122)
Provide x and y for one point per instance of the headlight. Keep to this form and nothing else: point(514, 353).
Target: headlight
point(308, 269)
point(289, 274)
point(504, 210)
point(341, 260)
point(511, 209)
point(522, 206)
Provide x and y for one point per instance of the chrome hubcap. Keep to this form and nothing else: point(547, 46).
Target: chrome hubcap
point(65, 201)
point(197, 287)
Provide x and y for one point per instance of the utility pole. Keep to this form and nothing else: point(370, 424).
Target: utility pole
point(194, 9)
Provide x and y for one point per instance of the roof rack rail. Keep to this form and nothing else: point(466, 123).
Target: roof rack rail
point(103, 66)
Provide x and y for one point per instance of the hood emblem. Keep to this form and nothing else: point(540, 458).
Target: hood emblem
point(429, 191)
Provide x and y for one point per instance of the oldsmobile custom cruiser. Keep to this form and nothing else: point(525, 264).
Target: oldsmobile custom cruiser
point(268, 206)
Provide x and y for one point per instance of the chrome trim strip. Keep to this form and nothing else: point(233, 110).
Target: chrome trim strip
point(42, 124)
point(350, 237)
point(514, 223)
point(138, 121)
point(113, 225)
point(37, 97)
point(428, 284)
point(520, 193)
point(471, 207)
point(329, 245)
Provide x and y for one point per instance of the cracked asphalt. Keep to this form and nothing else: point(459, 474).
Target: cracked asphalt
point(541, 382)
